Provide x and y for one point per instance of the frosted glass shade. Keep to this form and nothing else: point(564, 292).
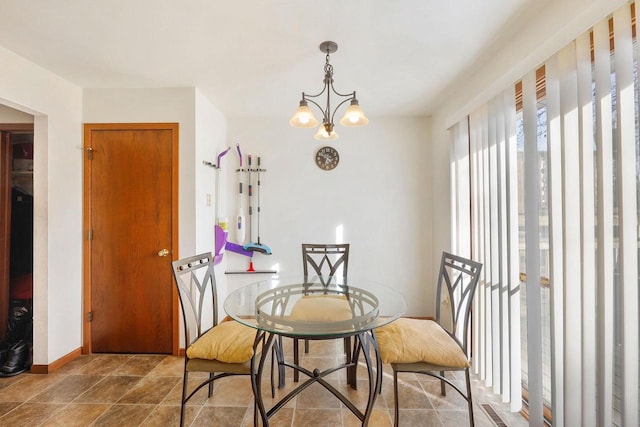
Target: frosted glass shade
point(354, 116)
point(303, 117)
point(323, 135)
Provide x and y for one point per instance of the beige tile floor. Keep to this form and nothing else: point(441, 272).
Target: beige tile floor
point(144, 390)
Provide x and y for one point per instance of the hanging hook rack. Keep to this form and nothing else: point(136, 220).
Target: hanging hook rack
point(210, 164)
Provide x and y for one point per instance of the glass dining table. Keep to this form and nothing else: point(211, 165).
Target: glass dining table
point(315, 308)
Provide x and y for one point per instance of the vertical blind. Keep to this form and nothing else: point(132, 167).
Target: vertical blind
point(562, 203)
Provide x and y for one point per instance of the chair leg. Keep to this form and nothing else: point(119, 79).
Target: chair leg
point(183, 405)
point(211, 375)
point(443, 390)
point(352, 372)
point(469, 399)
point(348, 358)
point(306, 346)
point(255, 412)
point(396, 418)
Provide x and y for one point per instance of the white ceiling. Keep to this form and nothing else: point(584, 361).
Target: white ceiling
point(255, 57)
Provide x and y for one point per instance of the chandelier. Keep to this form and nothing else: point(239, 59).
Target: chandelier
point(353, 115)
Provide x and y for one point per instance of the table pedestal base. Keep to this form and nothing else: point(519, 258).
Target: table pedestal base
point(365, 343)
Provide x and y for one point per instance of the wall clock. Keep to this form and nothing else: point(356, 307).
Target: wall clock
point(327, 158)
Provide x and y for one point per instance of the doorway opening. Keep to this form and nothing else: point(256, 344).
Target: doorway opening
point(16, 248)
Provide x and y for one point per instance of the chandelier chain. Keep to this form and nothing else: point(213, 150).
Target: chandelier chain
point(328, 71)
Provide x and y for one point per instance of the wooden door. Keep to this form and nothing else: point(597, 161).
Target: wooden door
point(130, 218)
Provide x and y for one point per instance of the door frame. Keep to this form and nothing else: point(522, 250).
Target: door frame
point(5, 230)
point(86, 226)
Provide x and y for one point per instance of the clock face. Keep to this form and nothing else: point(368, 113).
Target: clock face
point(327, 158)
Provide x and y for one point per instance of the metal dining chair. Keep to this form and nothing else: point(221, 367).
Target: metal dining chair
point(323, 260)
point(434, 347)
point(219, 349)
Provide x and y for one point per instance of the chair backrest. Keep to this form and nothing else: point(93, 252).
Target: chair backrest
point(457, 283)
point(196, 284)
point(325, 259)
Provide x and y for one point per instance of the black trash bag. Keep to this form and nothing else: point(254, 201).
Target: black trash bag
point(19, 359)
point(16, 354)
point(20, 320)
point(4, 350)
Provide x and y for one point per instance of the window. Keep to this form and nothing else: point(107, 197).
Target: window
point(576, 210)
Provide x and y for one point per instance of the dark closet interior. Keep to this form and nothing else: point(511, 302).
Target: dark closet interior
point(17, 337)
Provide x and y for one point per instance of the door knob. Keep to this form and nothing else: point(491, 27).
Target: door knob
point(163, 252)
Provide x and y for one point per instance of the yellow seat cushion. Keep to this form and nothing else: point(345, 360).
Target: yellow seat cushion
point(322, 308)
point(229, 342)
point(414, 340)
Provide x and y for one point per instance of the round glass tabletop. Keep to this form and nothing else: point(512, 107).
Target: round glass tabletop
point(315, 306)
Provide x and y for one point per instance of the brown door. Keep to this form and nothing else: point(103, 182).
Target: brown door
point(130, 222)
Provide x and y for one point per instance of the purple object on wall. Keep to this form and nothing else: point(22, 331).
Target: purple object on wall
point(221, 238)
point(234, 247)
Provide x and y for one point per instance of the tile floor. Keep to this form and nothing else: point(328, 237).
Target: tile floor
point(144, 390)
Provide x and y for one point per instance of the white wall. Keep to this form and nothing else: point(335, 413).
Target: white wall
point(202, 133)
point(57, 109)
point(379, 196)
point(211, 138)
point(196, 137)
point(10, 115)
